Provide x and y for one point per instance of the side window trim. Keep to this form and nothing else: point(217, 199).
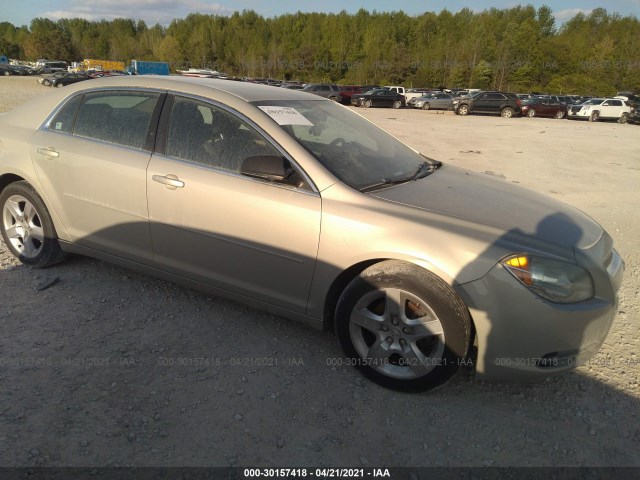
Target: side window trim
point(163, 131)
point(152, 132)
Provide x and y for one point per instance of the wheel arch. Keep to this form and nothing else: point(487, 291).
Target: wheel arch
point(7, 179)
point(341, 281)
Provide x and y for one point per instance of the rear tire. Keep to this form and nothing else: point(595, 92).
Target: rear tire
point(560, 115)
point(507, 112)
point(397, 104)
point(624, 118)
point(403, 327)
point(27, 228)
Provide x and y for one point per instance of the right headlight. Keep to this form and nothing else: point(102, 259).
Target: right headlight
point(553, 280)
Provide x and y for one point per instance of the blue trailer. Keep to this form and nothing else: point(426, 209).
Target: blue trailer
point(138, 67)
point(4, 59)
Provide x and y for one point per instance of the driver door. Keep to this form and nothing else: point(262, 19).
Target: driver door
point(208, 222)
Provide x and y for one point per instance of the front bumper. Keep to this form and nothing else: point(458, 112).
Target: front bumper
point(522, 337)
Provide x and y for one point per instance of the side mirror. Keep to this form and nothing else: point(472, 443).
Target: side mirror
point(267, 167)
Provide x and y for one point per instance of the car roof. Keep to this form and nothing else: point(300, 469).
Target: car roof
point(246, 91)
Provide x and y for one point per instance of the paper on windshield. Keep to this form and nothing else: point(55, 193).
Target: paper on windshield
point(286, 115)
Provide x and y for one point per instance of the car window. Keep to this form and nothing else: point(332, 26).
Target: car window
point(121, 117)
point(203, 133)
point(63, 120)
point(495, 96)
point(353, 149)
point(615, 103)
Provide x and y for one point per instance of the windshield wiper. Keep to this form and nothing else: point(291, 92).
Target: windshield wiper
point(425, 167)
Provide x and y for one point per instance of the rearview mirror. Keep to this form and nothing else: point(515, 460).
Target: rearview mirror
point(267, 167)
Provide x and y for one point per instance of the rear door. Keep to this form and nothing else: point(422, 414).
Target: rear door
point(613, 109)
point(91, 159)
point(482, 103)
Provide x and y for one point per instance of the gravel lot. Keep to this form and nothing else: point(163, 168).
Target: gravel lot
point(101, 369)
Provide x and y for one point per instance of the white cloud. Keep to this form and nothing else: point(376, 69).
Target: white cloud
point(568, 13)
point(151, 11)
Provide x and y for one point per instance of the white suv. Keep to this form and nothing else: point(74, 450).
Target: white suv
point(601, 108)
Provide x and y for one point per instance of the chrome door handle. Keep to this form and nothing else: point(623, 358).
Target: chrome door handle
point(48, 152)
point(169, 181)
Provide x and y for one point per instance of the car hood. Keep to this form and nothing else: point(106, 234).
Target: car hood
point(492, 202)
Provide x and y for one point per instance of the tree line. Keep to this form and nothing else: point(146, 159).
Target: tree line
point(516, 49)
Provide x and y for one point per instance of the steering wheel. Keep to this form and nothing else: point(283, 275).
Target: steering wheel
point(336, 141)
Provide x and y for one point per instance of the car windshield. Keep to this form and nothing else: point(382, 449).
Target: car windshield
point(355, 150)
point(593, 101)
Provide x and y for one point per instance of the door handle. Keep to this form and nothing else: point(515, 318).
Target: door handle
point(48, 152)
point(170, 181)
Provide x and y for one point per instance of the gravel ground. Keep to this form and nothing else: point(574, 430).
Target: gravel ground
point(103, 368)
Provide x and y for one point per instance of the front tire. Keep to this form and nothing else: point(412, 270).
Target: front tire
point(46, 83)
point(531, 113)
point(367, 104)
point(59, 85)
point(403, 327)
point(463, 110)
point(594, 117)
point(426, 106)
point(27, 228)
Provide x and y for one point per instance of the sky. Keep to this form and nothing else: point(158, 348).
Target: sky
point(21, 12)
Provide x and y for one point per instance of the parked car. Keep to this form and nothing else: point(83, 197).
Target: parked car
point(601, 109)
point(630, 98)
point(10, 69)
point(326, 90)
point(504, 104)
point(290, 202)
point(564, 99)
point(436, 101)
point(68, 79)
point(634, 117)
point(380, 97)
point(25, 70)
point(7, 69)
point(46, 81)
point(415, 93)
point(346, 91)
point(292, 85)
point(396, 88)
point(543, 107)
point(51, 66)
